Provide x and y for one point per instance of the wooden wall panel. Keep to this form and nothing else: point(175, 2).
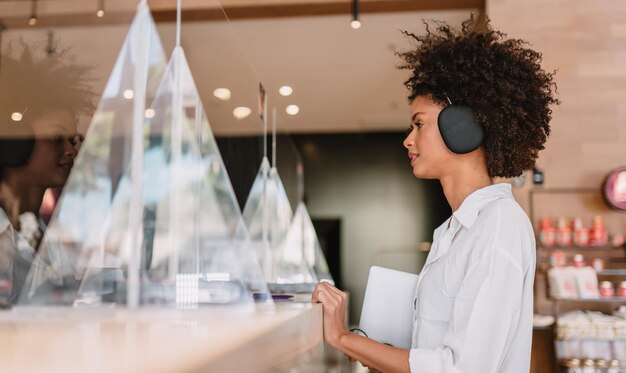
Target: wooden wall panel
point(585, 41)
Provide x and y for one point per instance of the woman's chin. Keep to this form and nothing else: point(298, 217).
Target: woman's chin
point(423, 174)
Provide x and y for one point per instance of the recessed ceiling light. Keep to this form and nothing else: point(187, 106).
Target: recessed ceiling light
point(16, 117)
point(356, 24)
point(242, 112)
point(100, 13)
point(292, 109)
point(150, 113)
point(285, 90)
point(222, 93)
point(129, 94)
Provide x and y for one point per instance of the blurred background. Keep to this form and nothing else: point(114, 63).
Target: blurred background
point(344, 115)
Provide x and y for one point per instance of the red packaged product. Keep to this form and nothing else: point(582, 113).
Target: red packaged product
point(581, 237)
point(621, 291)
point(578, 261)
point(558, 259)
point(597, 264)
point(606, 289)
point(547, 237)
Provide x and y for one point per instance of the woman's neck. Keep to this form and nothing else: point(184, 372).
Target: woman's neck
point(466, 180)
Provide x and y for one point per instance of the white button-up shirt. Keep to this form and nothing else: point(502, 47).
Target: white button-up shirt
point(16, 256)
point(474, 298)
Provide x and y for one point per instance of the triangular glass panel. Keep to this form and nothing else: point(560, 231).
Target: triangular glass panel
point(196, 249)
point(268, 215)
point(302, 237)
point(85, 220)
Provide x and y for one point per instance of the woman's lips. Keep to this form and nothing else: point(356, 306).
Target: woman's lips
point(413, 157)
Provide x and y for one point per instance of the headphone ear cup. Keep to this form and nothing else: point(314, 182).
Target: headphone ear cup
point(15, 152)
point(16, 144)
point(459, 129)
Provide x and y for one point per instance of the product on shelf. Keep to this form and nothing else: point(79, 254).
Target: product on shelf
point(598, 235)
point(573, 283)
point(613, 367)
point(562, 283)
point(591, 335)
point(606, 289)
point(588, 366)
point(563, 233)
point(621, 291)
point(558, 258)
point(572, 365)
point(576, 233)
point(598, 264)
point(547, 235)
point(617, 240)
point(578, 261)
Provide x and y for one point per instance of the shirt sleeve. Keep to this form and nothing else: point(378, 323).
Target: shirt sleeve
point(484, 320)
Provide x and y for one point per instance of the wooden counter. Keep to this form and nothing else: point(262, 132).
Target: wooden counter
point(215, 339)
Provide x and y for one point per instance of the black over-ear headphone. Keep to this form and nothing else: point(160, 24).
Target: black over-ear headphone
point(459, 128)
point(15, 150)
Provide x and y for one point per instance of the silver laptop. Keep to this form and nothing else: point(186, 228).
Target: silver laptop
point(387, 313)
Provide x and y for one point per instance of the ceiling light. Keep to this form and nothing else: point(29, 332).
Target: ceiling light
point(242, 112)
point(285, 90)
point(292, 109)
point(16, 117)
point(129, 94)
point(100, 12)
point(222, 94)
point(149, 113)
point(355, 24)
point(32, 21)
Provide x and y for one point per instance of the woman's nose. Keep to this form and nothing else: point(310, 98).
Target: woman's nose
point(70, 149)
point(408, 141)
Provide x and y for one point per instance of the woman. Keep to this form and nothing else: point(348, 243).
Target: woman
point(38, 144)
point(474, 299)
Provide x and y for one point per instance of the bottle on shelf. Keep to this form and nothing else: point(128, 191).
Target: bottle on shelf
point(572, 365)
point(606, 290)
point(588, 366)
point(581, 233)
point(579, 261)
point(547, 235)
point(598, 235)
point(613, 367)
point(621, 291)
point(563, 233)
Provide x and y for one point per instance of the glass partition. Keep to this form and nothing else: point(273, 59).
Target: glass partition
point(147, 206)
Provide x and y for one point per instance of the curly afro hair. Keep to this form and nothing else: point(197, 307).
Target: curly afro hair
point(499, 78)
point(33, 84)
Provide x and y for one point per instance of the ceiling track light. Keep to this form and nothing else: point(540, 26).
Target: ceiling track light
point(100, 11)
point(32, 21)
point(355, 24)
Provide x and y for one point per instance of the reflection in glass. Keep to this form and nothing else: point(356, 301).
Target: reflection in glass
point(91, 217)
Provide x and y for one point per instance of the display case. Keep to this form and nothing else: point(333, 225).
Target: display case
point(596, 247)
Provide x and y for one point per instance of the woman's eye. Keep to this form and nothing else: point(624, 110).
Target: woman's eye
point(418, 125)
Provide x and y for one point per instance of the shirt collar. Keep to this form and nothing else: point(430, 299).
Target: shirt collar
point(471, 206)
point(4, 221)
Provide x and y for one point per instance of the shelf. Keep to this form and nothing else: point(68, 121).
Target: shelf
point(581, 248)
point(600, 300)
point(613, 272)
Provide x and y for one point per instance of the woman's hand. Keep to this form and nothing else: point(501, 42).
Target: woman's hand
point(334, 306)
